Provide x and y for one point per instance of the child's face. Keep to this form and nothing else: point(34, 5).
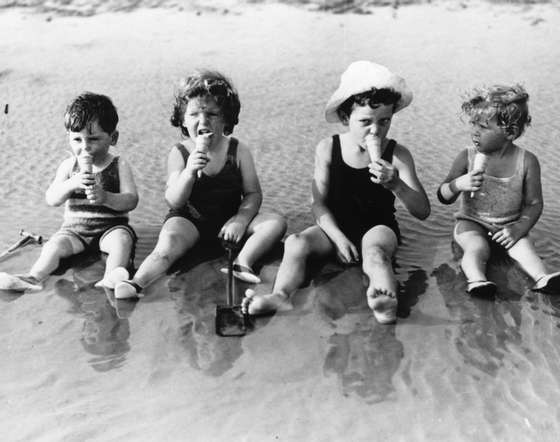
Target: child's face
point(364, 121)
point(203, 115)
point(487, 136)
point(92, 139)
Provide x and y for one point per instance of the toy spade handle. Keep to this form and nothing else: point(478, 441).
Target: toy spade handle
point(18, 244)
point(230, 277)
point(37, 238)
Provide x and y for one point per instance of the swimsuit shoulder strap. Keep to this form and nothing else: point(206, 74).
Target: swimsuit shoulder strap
point(232, 149)
point(389, 150)
point(336, 153)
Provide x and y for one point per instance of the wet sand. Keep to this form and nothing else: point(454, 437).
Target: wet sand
point(77, 365)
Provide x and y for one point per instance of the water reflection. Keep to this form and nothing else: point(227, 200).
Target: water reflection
point(106, 329)
point(196, 293)
point(363, 354)
point(488, 328)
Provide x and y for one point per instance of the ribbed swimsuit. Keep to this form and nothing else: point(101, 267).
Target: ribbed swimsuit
point(90, 222)
point(214, 199)
point(357, 203)
point(499, 200)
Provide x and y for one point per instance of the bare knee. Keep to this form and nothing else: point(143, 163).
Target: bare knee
point(297, 246)
point(118, 239)
point(273, 224)
point(279, 224)
point(170, 246)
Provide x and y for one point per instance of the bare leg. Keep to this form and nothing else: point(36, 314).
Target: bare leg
point(299, 247)
point(176, 237)
point(379, 245)
point(472, 239)
point(118, 245)
point(265, 231)
point(525, 254)
point(58, 247)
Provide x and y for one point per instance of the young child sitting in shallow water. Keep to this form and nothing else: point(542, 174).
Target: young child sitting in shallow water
point(98, 190)
point(212, 188)
point(358, 174)
point(500, 187)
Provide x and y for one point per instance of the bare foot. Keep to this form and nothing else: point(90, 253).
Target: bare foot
point(384, 306)
point(254, 304)
point(19, 283)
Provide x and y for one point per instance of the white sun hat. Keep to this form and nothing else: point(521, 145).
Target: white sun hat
point(362, 76)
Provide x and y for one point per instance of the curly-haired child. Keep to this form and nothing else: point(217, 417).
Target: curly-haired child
point(213, 190)
point(500, 188)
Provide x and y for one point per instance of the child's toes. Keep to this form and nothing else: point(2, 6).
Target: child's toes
point(384, 306)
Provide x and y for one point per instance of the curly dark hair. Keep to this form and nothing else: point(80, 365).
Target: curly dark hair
point(373, 98)
point(508, 104)
point(204, 83)
point(89, 107)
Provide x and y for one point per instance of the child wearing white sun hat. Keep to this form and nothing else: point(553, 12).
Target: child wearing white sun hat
point(358, 174)
point(362, 76)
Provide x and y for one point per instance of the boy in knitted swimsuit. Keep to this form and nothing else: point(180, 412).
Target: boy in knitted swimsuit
point(98, 190)
point(500, 188)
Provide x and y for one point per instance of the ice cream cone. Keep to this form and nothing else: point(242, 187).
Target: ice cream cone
point(374, 148)
point(85, 161)
point(479, 164)
point(202, 144)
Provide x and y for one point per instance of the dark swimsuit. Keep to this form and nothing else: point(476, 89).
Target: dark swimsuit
point(214, 199)
point(357, 203)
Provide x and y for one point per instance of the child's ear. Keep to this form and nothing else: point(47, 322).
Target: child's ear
point(512, 132)
point(114, 137)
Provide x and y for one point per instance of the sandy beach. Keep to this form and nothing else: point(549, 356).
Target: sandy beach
point(78, 365)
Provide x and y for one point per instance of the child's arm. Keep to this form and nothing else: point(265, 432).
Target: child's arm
point(181, 177)
point(123, 201)
point(235, 227)
point(405, 183)
point(324, 218)
point(64, 183)
point(459, 180)
point(532, 205)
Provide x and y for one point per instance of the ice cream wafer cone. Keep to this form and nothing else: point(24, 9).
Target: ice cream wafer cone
point(202, 144)
point(479, 164)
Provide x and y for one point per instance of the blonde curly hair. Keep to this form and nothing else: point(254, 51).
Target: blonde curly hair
point(507, 104)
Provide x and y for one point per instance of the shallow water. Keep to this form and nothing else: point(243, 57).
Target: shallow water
point(79, 365)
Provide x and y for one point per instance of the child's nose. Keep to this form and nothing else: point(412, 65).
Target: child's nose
point(374, 129)
point(204, 119)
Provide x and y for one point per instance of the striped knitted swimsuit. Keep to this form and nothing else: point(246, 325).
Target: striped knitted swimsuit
point(92, 220)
